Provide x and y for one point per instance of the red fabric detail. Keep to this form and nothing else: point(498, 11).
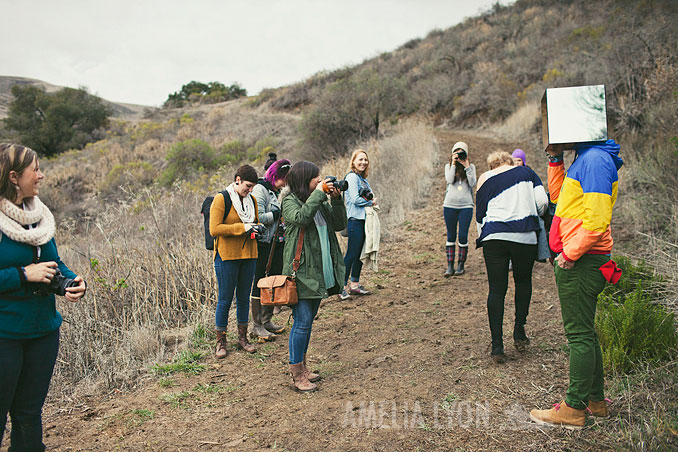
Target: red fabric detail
point(611, 272)
point(555, 163)
point(565, 256)
point(554, 236)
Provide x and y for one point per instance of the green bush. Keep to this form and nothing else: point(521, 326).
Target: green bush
point(187, 158)
point(232, 152)
point(633, 328)
point(133, 175)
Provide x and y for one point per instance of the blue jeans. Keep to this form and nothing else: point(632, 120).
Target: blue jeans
point(27, 366)
point(300, 335)
point(356, 240)
point(461, 216)
point(233, 276)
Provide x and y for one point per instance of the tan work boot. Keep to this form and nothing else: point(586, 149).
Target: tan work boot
point(299, 380)
point(560, 415)
point(599, 408)
point(221, 352)
point(312, 377)
point(243, 343)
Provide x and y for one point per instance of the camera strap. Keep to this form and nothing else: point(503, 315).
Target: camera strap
point(270, 254)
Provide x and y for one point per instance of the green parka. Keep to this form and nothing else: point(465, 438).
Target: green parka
point(298, 215)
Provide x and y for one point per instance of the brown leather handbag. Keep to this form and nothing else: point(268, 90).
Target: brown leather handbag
point(281, 290)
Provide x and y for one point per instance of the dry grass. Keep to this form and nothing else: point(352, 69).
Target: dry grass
point(401, 168)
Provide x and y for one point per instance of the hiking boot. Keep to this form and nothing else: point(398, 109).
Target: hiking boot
point(449, 253)
point(344, 295)
point(498, 355)
point(521, 344)
point(463, 252)
point(300, 381)
point(243, 343)
point(360, 290)
point(312, 377)
point(221, 351)
point(561, 415)
point(599, 408)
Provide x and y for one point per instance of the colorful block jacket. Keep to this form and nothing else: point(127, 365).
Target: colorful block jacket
point(585, 197)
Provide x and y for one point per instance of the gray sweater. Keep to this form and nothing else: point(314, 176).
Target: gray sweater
point(459, 194)
point(266, 199)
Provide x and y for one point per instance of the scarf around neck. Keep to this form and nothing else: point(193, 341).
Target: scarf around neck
point(244, 207)
point(13, 219)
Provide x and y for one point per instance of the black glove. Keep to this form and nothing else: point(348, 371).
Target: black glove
point(275, 210)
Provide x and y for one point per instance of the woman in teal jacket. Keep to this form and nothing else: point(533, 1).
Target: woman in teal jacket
point(321, 269)
point(30, 273)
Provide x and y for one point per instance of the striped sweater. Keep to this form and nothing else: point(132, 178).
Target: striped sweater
point(509, 202)
point(585, 198)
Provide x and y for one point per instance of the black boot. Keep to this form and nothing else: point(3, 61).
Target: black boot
point(463, 252)
point(449, 250)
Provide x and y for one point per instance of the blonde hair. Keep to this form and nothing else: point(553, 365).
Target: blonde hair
point(13, 157)
point(352, 164)
point(499, 158)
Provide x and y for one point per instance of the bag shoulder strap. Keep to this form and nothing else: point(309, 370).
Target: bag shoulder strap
point(270, 254)
point(227, 208)
point(297, 256)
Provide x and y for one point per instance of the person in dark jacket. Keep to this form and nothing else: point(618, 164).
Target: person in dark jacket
point(321, 270)
point(29, 321)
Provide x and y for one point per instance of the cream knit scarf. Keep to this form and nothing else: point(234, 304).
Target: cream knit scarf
point(244, 208)
point(13, 218)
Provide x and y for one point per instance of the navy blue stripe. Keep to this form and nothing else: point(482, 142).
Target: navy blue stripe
point(526, 224)
point(496, 185)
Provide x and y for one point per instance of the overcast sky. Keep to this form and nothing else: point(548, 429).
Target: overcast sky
point(139, 51)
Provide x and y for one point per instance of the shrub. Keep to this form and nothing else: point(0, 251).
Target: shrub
point(187, 158)
point(232, 152)
point(633, 328)
point(131, 175)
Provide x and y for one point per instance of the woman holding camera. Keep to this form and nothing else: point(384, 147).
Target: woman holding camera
point(460, 176)
point(31, 272)
point(266, 193)
point(358, 196)
point(235, 254)
point(510, 201)
point(311, 222)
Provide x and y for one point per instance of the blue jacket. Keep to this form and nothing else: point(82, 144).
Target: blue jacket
point(355, 204)
point(23, 314)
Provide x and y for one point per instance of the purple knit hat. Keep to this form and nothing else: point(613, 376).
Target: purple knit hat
point(520, 154)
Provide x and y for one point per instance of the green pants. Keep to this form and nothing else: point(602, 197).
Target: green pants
point(578, 290)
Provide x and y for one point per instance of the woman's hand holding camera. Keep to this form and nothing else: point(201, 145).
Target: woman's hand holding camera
point(333, 191)
point(42, 272)
point(76, 293)
point(455, 158)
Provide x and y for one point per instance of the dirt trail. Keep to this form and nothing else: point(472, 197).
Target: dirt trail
point(418, 349)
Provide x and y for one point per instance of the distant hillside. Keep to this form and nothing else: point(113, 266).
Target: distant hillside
point(123, 111)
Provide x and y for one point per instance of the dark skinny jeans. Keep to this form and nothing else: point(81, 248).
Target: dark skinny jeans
point(26, 370)
point(497, 255)
point(356, 240)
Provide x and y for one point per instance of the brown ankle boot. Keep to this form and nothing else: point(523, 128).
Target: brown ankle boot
point(561, 415)
point(299, 380)
point(312, 377)
point(599, 408)
point(243, 343)
point(221, 352)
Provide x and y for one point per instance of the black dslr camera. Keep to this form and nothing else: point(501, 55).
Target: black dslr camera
point(462, 155)
point(257, 231)
point(341, 185)
point(366, 193)
point(57, 285)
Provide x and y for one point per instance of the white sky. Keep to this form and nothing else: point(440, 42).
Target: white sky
point(139, 51)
